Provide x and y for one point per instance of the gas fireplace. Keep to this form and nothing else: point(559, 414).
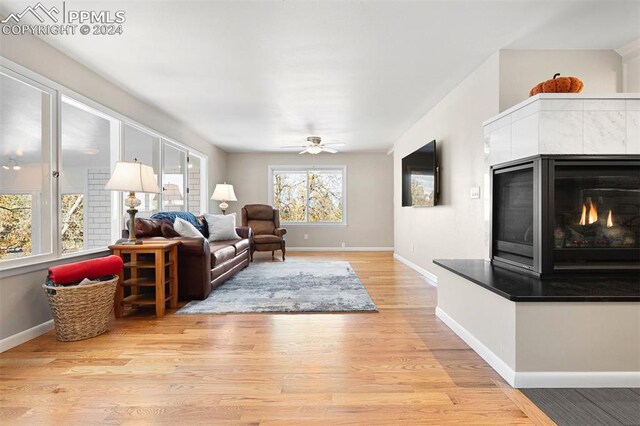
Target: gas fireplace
point(553, 214)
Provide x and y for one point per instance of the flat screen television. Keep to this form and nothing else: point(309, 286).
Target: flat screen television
point(420, 174)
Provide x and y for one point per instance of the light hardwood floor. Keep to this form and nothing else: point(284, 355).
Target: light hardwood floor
point(398, 366)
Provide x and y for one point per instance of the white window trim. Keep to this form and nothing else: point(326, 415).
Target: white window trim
point(342, 168)
point(58, 92)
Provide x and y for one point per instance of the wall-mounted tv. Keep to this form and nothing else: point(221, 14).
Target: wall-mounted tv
point(420, 175)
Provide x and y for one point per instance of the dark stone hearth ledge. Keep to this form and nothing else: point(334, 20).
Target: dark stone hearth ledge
point(519, 287)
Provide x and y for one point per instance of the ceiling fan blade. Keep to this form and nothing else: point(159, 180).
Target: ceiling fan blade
point(334, 144)
point(293, 146)
point(304, 152)
point(329, 150)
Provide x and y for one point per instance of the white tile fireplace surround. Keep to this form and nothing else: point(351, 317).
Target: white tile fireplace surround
point(563, 123)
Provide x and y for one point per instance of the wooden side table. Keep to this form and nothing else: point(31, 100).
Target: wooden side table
point(165, 256)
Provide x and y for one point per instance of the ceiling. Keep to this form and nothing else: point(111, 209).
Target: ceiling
point(254, 76)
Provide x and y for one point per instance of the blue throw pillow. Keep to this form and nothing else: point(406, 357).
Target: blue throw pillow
point(171, 216)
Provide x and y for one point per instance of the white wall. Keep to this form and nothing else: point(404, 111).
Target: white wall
point(23, 304)
point(458, 227)
point(369, 196)
point(521, 70)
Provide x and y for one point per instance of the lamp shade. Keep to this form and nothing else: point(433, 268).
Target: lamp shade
point(133, 177)
point(224, 192)
point(171, 192)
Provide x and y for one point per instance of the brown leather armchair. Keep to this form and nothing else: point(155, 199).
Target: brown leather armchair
point(264, 220)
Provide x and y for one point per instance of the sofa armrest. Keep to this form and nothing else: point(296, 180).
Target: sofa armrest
point(194, 270)
point(193, 246)
point(244, 232)
point(279, 232)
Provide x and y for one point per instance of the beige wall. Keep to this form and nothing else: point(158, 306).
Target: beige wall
point(536, 339)
point(486, 316)
point(458, 227)
point(22, 301)
point(603, 336)
point(521, 70)
point(369, 196)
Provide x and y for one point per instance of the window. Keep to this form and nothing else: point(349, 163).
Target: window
point(174, 164)
point(26, 186)
point(197, 183)
point(56, 155)
point(144, 147)
point(309, 194)
point(89, 139)
point(72, 230)
point(15, 225)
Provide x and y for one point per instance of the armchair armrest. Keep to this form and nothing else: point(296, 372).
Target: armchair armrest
point(279, 232)
point(244, 232)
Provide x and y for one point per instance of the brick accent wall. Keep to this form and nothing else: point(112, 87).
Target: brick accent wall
point(194, 191)
point(98, 204)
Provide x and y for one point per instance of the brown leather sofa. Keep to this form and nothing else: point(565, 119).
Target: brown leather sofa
point(264, 220)
point(202, 266)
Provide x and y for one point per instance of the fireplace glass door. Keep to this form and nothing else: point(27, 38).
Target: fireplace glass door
point(596, 218)
point(513, 210)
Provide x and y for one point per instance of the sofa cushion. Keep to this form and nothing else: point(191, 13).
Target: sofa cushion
point(259, 212)
point(262, 227)
point(266, 239)
point(221, 227)
point(168, 231)
point(186, 229)
point(204, 225)
point(146, 228)
point(240, 244)
point(221, 253)
point(171, 217)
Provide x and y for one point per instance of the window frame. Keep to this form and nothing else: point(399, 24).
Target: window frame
point(47, 245)
point(342, 168)
point(58, 94)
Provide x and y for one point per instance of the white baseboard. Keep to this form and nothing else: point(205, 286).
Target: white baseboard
point(339, 249)
point(542, 379)
point(24, 336)
point(485, 353)
point(431, 278)
point(578, 379)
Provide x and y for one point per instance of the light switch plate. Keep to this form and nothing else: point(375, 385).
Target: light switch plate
point(475, 192)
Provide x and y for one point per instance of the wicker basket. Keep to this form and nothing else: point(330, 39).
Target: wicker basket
point(83, 311)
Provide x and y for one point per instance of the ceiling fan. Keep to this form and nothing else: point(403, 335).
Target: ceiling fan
point(316, 146)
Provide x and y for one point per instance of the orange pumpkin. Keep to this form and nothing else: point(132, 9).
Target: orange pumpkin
point(558, 85)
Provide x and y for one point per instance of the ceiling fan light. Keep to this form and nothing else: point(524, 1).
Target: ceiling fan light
point(314, 150)
point(4, 166)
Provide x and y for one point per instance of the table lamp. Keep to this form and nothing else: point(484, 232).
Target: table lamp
point(132, 177)
point(224, 193)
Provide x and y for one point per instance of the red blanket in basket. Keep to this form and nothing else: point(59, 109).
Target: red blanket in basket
point(73, 273)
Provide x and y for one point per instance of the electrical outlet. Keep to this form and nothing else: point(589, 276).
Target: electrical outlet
point(475, 192)
point(306, 236)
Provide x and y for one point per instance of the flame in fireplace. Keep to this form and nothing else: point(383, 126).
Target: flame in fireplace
point(583, 216)
point(591, 217)
point(610, 219)
point(593, 213)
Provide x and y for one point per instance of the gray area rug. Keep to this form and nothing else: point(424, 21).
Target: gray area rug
point(291, 286)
